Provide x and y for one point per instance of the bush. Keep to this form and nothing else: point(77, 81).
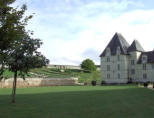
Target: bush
point(146, 84)
point(96, 75)
point(129, 81)
point(137, 83)
point(93, 83)
point(103, 83)
point(88, 65)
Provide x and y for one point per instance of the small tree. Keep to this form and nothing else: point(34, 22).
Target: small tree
point(24, 56)
point(88, 65)
point(96, 75)
point(18, 51)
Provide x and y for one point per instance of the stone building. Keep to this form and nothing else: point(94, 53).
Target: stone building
point(121, 62)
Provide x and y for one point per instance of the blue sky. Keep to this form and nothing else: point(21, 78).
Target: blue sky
point(73, 30)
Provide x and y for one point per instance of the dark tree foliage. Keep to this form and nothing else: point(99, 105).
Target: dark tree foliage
point(18, 50)
point(88, 65)
point(24, 56)
point(12, 28)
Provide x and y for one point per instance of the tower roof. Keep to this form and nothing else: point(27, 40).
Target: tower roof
point(117, 41)
point(135, 46)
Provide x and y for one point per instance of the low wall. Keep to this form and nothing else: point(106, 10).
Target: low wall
point(64, 67)
point(36, 82)
point(115, 81)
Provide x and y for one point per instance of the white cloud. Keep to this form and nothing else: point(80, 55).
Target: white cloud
point(70, 31)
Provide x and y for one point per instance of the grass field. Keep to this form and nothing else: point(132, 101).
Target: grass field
point(78, 102)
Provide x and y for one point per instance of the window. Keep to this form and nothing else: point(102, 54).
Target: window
point(118, 50)
point(133, 71)
point(118, 66)
point(118, 76)
point(101, 60)
point(108, 67)
point(108, 76)
point(108, 59)
point(144, 66)
point(132, 62)
point(118, 57)
point(144, 59)
point(107, 51)
point(144, 76)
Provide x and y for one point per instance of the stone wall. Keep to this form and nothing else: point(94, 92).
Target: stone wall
point(64, 67)
point(36, 82)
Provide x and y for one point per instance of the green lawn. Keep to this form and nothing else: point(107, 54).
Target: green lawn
point(78, 102)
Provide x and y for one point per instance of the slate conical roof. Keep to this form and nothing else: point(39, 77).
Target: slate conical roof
point(117, 41)
point(135, 46)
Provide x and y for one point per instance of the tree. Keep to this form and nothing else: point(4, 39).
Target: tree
point(12, 28)
point(18, 51)
point(96, 75)
point(24, 56)
point(88, 65)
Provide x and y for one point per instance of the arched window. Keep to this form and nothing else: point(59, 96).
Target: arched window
point(108, 51)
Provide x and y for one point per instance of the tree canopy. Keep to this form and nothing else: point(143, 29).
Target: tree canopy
point(88, 65)
point(18, 50)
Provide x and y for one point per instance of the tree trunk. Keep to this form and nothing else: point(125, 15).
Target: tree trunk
point(14, 87)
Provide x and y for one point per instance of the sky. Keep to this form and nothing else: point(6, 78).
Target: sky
point(74, 30)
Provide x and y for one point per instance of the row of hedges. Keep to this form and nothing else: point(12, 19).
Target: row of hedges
point(145, 84)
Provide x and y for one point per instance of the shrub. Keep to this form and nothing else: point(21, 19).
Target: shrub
point(129, 82)
point(145, 84)
point(96, 75)
point(93, 83)
point(103, 83)
point(137, 83)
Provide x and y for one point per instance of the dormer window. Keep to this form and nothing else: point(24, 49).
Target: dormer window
point(144, 59)
point(108, 59)
point(108, 51)
point(118, 50)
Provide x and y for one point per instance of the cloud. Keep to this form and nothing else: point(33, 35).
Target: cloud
point(73, 30)
point(91, 54)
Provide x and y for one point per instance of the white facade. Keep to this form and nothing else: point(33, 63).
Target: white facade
point(115, 69)
point(134, 66)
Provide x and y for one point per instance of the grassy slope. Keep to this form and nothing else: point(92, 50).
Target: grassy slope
point(55, 73)
point(78, 102)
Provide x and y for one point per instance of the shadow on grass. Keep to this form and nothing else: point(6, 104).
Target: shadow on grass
point(119, 103)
